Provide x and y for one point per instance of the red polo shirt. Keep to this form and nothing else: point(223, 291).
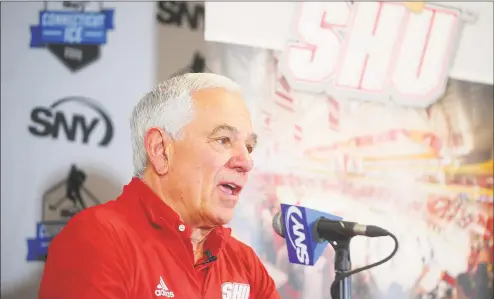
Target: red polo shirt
point(136, 247)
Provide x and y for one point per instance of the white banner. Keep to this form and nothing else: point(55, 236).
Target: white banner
point(68, 87)
point(267, 25)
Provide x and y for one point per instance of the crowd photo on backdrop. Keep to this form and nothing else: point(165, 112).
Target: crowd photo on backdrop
point(165, 235)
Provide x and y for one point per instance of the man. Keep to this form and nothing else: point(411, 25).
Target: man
point(164, 236)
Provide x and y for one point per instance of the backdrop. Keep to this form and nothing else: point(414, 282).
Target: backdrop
point(67, 94)
point(180, 38)
point(424, 173)
point(378, 164)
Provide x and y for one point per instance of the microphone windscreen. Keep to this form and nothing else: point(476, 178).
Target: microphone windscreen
point(278, 225)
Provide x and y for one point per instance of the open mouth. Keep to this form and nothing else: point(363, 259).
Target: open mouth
point(230, 188)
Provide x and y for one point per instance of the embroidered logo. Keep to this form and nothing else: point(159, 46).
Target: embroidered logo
point(162, 290)
point(233, 290)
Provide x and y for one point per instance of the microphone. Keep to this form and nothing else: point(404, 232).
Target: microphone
point(296, 225)
point(308, 231)
point(209, 258)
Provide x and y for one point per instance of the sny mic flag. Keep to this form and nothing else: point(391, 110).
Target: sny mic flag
point(298, 222)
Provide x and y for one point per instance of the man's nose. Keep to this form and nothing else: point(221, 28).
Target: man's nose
point(241, 161)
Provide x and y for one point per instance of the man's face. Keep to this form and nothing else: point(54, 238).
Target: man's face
point(208, 166)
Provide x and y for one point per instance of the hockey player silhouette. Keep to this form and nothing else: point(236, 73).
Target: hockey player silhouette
point(74, 185)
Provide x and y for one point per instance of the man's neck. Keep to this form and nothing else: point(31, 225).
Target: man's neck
point(197, 238)
point(154, 183)
point(198, 234)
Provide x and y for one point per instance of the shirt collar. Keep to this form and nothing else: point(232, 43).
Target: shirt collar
point(164, 217)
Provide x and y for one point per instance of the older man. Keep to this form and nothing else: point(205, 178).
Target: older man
point(164, 236)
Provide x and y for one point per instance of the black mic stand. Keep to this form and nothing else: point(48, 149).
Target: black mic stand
point(342, 264)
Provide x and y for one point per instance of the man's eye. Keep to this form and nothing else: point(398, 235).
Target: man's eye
point(224, 140)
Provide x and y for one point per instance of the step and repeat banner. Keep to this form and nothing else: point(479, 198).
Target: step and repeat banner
point(180, 38)
point(71, 73)
point(378, 112)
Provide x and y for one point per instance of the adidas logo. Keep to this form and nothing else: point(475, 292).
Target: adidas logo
point(162, 290)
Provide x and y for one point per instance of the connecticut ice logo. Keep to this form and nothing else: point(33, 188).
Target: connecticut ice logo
point(73, 31)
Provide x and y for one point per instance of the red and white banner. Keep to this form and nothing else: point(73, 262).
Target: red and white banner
point(378, 51)
point(378, 158)
point(268, 25)
point(358, 116)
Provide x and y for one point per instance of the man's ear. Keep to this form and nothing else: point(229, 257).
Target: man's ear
point(157, 143)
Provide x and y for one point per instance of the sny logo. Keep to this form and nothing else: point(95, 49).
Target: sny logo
point(173, 13)
point(299, 223)
point(60, 203)
point(48, 121)
point(297, 234)
point(233, 290)
point(73, 34)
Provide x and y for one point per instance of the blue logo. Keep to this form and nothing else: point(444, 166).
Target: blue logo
point(45, 231)
point(297, 235)
point(60, 203)
point(73, 34)
point(302, 245)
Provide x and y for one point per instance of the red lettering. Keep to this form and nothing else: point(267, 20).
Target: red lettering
point(312, 57)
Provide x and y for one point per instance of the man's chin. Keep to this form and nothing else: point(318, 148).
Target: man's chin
point(223, 215)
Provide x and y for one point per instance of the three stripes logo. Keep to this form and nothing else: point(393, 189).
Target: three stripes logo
point(162, 290)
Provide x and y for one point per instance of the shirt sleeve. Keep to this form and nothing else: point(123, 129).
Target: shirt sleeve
point(85, 260)
point(262, 285)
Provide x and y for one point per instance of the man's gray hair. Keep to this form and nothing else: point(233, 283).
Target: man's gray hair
point(169, 106)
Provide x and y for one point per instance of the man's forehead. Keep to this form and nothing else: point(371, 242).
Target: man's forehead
point(216, 96)
point(216, 107)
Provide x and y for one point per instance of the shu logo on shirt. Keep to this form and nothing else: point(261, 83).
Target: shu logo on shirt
point(233, 290)
point(162, 290)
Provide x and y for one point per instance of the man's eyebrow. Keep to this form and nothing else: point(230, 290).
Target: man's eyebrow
point(223, 127)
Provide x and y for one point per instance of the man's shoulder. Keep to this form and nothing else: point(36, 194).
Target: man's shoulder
point(238, 244)
point(104, 218)
point(241, 249)
point(101, 214)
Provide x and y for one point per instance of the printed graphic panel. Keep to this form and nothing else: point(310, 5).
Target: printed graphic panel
point(424, 174)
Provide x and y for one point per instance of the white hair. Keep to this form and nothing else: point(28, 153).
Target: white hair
point(169, 106)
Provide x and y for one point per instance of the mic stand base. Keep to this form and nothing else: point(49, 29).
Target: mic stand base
point(342, 289)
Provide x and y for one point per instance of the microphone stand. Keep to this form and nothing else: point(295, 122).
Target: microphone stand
point(342, 264)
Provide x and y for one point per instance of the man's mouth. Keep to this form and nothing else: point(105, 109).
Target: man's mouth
point(230, 188)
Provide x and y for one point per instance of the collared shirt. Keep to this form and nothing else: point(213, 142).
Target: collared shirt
point(137, 247)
